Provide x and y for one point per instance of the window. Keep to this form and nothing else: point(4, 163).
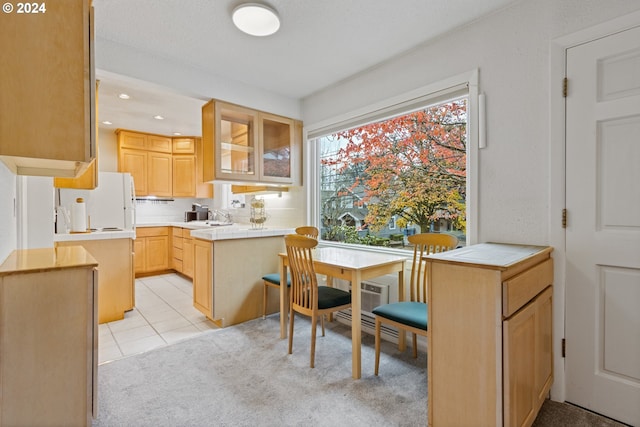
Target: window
point(387, 179)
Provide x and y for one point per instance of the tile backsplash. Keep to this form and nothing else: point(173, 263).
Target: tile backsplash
point(284, 210)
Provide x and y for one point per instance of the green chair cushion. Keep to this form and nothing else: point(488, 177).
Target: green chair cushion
point(332, 297)
point(275, 278)
point(405, 312)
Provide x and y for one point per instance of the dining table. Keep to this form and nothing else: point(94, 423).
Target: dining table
point(353, 265)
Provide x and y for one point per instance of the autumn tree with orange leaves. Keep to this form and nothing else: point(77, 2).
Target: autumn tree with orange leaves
point(412, 166)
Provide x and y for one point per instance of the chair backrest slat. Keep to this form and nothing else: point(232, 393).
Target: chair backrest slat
point(425, 244)
point(308, 230)
point(304, 283)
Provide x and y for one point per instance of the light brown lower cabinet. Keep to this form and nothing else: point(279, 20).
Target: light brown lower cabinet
point(490, 357)
point(48, 337)
point(187, 253)
point(228, 288)
point(152, 250)
point(182, 251)
point(116, 290)
point(203, 276)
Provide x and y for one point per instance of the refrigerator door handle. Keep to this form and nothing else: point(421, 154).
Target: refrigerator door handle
point(133, 204)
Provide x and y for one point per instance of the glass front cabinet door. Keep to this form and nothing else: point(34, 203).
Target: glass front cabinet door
point(252, 146)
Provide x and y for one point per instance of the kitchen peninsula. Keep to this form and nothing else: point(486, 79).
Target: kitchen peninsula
point(225, 262)
point(229, 262)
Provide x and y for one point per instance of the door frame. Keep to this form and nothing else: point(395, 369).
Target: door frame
point(557, 168)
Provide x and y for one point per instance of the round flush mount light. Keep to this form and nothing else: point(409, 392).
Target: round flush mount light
point(256, 19)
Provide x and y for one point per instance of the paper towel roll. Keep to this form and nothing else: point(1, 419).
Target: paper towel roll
point(79, 216)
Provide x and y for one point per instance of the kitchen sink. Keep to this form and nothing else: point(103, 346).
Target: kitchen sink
point(218, 223)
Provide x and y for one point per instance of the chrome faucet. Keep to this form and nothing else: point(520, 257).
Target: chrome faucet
point(218, 213)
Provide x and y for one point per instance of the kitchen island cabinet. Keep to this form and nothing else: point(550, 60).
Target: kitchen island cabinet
point(48, 337)
point(490, 358)
point(228, 270)
point(116, 291)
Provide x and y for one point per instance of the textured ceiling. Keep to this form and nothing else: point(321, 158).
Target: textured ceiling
point(320, 42)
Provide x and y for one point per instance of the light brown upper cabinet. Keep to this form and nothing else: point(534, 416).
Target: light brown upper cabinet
point(88, 180)
point(250, 145)
point(149, 161)
point(47, 106)
point(163, 166)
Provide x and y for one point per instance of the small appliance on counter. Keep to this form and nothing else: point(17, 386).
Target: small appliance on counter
point(109, 207)
point(198, 212)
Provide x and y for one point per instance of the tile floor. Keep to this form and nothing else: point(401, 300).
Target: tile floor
point(164, 314)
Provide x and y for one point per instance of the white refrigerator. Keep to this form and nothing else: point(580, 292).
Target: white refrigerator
point(111, 206)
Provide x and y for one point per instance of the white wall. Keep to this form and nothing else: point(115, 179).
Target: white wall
point(521, 176)
point(8, 222)
point(511, 50)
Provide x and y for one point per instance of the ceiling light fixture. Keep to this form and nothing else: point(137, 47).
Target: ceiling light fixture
point(256, 19)
point(158, 117)
point(107, 122)
point(123, 96)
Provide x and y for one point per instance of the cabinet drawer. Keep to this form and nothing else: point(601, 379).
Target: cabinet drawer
point(152, 231)
point(177, 231)
point(177, 253)
point(520, 289)
point(186, 233)
point(177, 265)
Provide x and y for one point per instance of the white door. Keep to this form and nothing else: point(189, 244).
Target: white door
point(603, 226)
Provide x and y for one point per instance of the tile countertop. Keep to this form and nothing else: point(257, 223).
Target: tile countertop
point(203, 231)
point(96, 235)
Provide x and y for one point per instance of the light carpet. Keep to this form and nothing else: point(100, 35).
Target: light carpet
point(243, 376)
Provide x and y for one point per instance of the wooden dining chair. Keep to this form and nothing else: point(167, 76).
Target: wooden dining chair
point(272, 280)
point(411, 316)
point(307, 298)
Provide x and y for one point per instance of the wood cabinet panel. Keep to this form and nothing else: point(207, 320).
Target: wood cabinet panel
point(152, 250)
point(203, 276)
point(184, 146)
point(528, 360)
point(511, 362)
point(49, 337)
point(163, 166)
point(159, 143)
point(152, 231)
point(187, 257)
point(204, 162)
point(184, 176)
point(47, 106)
point(115, 282)
point(160, 175)
point(133, 140)
point(139, 254)
point(157, 253)
point(135, 163)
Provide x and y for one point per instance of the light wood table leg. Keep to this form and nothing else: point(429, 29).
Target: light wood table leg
point(356, 329)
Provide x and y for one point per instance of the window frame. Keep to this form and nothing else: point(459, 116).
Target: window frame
point(465, 84)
